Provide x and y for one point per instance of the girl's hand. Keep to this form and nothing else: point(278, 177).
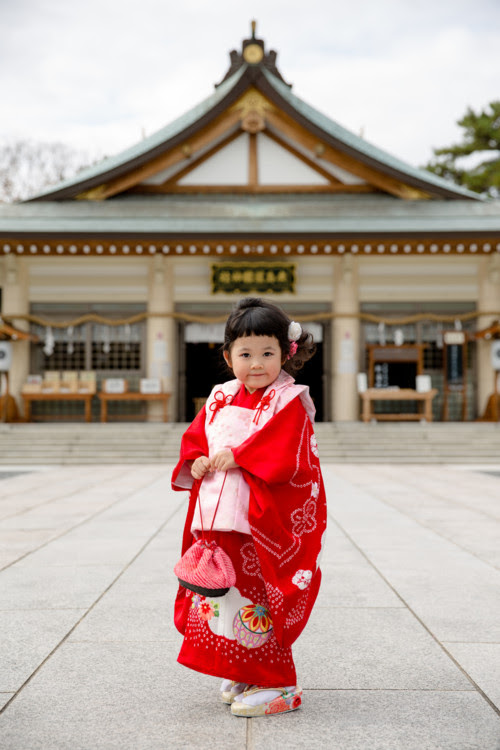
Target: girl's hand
point(223, 461)
point(200, 466)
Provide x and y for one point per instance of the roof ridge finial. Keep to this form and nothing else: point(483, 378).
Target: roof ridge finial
point(253, 26)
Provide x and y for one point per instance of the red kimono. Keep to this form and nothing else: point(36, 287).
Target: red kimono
point(247, 635)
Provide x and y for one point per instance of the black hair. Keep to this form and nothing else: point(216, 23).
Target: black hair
point(254, 316)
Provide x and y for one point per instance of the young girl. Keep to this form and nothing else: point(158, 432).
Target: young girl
point(253, 449)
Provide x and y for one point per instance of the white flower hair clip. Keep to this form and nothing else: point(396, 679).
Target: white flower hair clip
point(294, 334)
point(294, 331)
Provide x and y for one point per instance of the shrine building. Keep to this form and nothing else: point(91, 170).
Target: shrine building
point(128, 269)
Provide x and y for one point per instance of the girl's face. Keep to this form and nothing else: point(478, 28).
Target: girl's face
point(255, 360)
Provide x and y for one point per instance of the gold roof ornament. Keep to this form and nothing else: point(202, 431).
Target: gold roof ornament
point(253, 48)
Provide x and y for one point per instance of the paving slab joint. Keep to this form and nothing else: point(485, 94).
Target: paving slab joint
point(492, 705)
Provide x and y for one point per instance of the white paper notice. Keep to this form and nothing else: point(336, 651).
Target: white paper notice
point(160, 350)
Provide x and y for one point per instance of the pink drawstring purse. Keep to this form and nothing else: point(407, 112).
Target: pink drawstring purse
point(205, 568)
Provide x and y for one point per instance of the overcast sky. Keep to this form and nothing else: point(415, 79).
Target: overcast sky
point(98, 74)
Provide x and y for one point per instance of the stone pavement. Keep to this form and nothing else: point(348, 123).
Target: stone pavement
point(402, 650)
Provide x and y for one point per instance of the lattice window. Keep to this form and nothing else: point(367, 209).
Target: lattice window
point(110, 351)
point(117, 348)
point(62, 359)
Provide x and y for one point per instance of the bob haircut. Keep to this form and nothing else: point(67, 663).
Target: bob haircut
point(254, 316)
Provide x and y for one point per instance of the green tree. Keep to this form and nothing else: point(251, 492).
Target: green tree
point(474, 163)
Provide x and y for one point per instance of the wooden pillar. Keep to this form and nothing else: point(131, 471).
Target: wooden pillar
point(488, 299)
point(346, 333)
point(15, 300)
point(161, 333)
point(253, 162)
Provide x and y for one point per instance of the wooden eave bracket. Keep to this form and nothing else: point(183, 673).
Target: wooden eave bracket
point(8, 332)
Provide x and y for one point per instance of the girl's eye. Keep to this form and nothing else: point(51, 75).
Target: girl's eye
point(269, 354)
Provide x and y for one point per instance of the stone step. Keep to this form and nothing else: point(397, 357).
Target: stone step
point(144, 449)
point(322, 428)
point(350, 459)
point(129, 437)
point(351, 442)
point(323, 439)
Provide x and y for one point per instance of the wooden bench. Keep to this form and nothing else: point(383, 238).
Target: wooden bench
point(371, 395)
point(28, 399)
point(135, 396)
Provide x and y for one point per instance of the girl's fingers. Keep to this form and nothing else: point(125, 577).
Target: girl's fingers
point(223, 461)
point(200, 467)
point(217, 461)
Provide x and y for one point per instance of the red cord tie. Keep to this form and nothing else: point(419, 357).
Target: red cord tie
point(263, 405)
point(204, 539)
point(219, 403)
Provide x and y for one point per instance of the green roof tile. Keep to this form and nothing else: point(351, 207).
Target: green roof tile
point(270, 215)
point(359, 144)
point(142, 148)
point(353, 143)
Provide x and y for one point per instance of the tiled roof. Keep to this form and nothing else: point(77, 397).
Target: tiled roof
point(272, 86)
point(358, 144)
point(272, 215)
point(148, 145)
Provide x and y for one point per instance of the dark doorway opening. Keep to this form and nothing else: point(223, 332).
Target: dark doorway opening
point(312, 375)
point(205, 367)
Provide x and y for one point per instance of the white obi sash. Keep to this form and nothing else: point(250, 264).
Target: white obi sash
point(228, 426)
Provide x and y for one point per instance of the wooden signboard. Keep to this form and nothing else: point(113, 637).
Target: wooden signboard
point(394, 366)
point(263, 278)
point(455, 369)
point(393, 371)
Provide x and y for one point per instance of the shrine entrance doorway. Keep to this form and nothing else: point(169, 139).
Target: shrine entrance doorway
point(201, 366)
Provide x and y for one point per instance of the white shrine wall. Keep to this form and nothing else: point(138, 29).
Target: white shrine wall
point(418, 279)
point(344, 283)
point(89, 279)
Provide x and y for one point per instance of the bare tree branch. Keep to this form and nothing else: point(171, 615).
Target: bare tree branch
point(27, 167)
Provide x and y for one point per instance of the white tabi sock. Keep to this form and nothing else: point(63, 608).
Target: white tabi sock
point(235, 688)
point(264, 696)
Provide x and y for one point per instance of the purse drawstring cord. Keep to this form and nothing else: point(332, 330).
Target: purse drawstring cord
point(203, 538)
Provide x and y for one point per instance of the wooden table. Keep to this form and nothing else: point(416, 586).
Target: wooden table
point(28, 398)
point(402, 394)
point(105, 397)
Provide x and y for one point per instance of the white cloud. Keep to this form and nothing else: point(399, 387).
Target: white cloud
point(95, 74)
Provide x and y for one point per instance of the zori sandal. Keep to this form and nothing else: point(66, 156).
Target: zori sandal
point(266, 701)
point(230, 690)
